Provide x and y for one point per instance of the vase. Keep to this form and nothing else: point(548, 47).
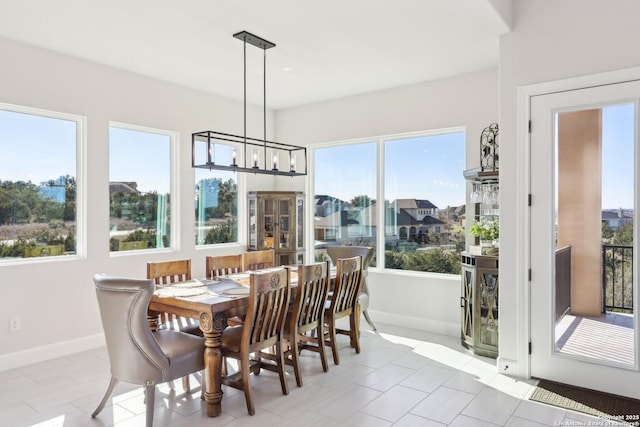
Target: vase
point(485, 243)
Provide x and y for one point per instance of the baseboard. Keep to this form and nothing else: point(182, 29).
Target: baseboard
point(51, 351)
point(421, 323)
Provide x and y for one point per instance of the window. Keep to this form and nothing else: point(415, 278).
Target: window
point(139, 188)
point(345, 196)
point(216, 202)
point(38, 172)
point(423, 193)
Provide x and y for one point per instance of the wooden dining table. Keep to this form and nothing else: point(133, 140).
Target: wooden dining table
point(211, 309)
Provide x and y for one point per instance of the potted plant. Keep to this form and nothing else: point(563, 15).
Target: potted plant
point(487, 231)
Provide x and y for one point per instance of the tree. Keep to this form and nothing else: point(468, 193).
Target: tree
point(362, 201)
point(223, 233)
point(607, 231)
point(624, 235)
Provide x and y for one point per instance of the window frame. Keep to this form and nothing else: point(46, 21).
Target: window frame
point(80, 176)
point(174, 211)
point(379, 141)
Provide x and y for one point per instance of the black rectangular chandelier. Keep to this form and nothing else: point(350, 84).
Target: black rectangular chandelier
point(258, 155)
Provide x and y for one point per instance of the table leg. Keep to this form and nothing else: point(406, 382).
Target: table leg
point(212, 330)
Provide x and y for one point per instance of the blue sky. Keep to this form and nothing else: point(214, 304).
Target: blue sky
point(617, 156)
point(142, 157)
point(35, 148)
point(428, 168)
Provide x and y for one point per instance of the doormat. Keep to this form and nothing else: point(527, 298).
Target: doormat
point(596, 403)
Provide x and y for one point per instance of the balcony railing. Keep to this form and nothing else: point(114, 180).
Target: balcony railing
point(617, 278)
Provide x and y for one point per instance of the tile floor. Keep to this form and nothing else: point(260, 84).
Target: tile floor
point(402, 377)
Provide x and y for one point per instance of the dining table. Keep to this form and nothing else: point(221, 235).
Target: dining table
point(211, 302)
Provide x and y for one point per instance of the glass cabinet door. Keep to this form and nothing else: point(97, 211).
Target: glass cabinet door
point(253, 224)
point(269, 223)
point(300, 223)
point(285, 231)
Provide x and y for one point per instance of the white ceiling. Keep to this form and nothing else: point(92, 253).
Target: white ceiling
point(325, 49)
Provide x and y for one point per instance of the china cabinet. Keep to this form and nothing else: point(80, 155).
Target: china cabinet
point(276, 221)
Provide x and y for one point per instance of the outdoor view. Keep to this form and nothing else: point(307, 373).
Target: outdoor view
point(216, 199)
point(139, 191)
point(617, 205)
point(37, 184)
point(424, 200)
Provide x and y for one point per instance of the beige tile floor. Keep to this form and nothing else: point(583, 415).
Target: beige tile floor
point(402, 377)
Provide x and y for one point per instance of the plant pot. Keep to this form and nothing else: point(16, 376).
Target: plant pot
point(485, 243)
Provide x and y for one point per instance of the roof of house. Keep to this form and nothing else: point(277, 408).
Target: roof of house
point(415, 204)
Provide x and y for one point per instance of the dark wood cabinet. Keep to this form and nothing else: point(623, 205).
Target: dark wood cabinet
point(276, 221)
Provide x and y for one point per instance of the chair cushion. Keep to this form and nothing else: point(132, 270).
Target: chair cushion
point(231, 338)
point(185, 352)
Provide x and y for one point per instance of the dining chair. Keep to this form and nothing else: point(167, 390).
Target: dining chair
point(306, 315)
point(137, 354)
point(366, 253)
point(257, 260)
point(343, 302)
point(222, 265)
point(269, 294)
point(166, 273)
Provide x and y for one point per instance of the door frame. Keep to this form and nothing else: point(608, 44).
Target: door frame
point(523, 189)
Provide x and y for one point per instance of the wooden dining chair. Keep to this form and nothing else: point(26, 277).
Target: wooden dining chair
point(222, 265)
point(269, 294)
point(342, 303)
point(137, 354)
point(166, 273)
point(307, 315)
point(257, 260)
point(366, 252)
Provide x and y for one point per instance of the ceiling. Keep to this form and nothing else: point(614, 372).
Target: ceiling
point(324, 49)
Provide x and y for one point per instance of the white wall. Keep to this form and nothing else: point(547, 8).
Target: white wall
point(551, 40)
point(56, 300)
point(430, 302)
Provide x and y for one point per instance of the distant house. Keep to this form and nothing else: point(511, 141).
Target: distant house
point(328, 205)
point(123, 187)
point(418, 209)
point(413, 219)
point(616, 218)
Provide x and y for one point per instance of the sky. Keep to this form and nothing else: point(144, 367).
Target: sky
point(617, 156)
point(142, 157)
point(428, 168)
point(39, 149)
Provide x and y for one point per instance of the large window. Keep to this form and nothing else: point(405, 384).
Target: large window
point(345, 196)
point(38, 170)
point(216, 202)
point(139, 188)
point(423, 196)
point(424, 192)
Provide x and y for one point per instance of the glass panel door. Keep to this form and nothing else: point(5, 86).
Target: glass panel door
point(583, 162)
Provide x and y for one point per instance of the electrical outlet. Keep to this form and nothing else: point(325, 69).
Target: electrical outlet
point(14, 324)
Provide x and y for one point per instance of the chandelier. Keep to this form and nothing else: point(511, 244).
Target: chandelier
point(258, 155)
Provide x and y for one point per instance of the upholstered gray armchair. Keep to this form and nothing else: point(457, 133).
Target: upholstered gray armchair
point(366, 253)
point(138, 355)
